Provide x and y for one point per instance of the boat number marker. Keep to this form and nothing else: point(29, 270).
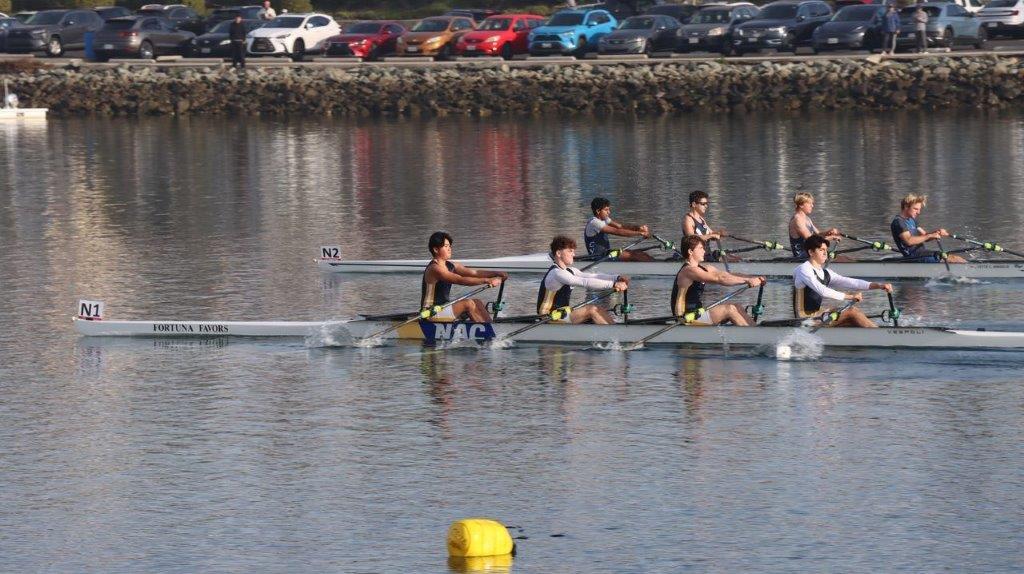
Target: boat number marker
point(90, 310)
point(330, 252)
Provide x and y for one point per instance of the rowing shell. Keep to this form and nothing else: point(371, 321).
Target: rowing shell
point(885, 337)
point(540, 263)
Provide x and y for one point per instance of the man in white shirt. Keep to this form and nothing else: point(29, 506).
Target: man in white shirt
point(556, 287)
point(813, 284)
point(267, 13)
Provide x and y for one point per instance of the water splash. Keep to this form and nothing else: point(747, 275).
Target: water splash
point(499, 344)
point(332, 334)
point(798, 346)
point(952, 281)
point(613, 346)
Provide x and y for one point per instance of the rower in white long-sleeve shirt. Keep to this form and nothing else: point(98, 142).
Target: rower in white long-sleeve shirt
point(556, 287)
point(813, 285)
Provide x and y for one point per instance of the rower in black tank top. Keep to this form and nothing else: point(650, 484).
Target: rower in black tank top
point(437, 293)
point(547, 300)
point(690, 299)
point(806, 301)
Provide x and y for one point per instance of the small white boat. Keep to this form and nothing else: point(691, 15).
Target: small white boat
point(540, 262)
point(11, 111)
point(87, 323)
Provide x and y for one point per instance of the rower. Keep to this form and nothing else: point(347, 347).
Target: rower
point(441, 273)
point(910, 237)
point(695, 223)
point(812, 283)
point(801, 227)
point(689, 287)
point(595, 235)
point(556, 287)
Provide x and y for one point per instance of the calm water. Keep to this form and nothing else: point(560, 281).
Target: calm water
point(186, 456)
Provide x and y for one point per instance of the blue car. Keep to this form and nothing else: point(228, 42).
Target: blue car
point(571, 32)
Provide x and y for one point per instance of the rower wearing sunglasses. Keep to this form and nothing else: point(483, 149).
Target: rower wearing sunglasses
point(695, 223)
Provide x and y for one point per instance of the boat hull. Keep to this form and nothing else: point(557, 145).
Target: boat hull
point(885, 337)
point(539, 263)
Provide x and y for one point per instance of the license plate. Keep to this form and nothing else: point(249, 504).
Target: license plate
point(545, 44)
point(833, 40)
point(694, 40)
point(993, 24)
point(412, 49)
point(108, 46)
point(471, 47)
point(205, 50)
point(752, 40)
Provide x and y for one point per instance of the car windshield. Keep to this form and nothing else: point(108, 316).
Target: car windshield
point(1001, 4)
point(224, 14)
point(712, 17)
point(637, 23)
point(363, 28)
point(222, 28)
point(150, 12)
point(113, 25)
point(778, 12)
point(496, 24)
point(285, 22)
point(907, 13)
point(46, 18)
point(431, 26)
point(856, 14)
point(565, 20)
point(8, 22)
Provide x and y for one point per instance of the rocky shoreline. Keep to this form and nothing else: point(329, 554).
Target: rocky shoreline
point(579, 88)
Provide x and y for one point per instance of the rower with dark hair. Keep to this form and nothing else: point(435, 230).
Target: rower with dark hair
point(595, 235)
point(688, 289)
point(556, 287)
point(812, 284)
point(695, 223)
point(441, 273)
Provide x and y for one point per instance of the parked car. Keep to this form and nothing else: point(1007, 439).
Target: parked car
point(144, 37)
point(477, 15)
point(216, 42)
point(504, 35)
point(180, 15)
point(682, 12)
point(973, 6)
point(369, 40)
point(642, 35)
point(433, 36)
point(1003, 18)
point(24, 16)
point(852, 28)
point(784, 25)
point(571, 31)
point(622, 9)
point(292, 35)
point(711, 29)
point(219, 15)
point(54, 31)
point(110, 12)
point(5, 25)
point(3, 16)
point(949, 25)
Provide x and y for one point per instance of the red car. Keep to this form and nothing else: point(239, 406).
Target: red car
point(369, 40)
point(500, 35)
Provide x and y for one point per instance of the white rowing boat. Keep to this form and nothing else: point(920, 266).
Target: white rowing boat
point(556, 333)
point(540, 262)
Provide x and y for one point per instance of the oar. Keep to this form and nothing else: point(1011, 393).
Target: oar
point(613, 253)
point(894, 313)
point(944, 256)
point(686, 318)
point(666, 245)
point(831, 316)
point(986, 245)
point(723, 254)
point(758, 309)
point(557, 314)
point(768, 245)
point(875, 245)
point(428, 312)
point(497, 305)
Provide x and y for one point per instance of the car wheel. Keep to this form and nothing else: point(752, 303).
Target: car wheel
point(982, 43)
point(948, 38)
point(582, 48)
point(445, 53)
point(146, 51)
point(54, 48)
point(791, 43)
point(506, 51)
point(298, 50)
point(374, 53)
point(648, 48)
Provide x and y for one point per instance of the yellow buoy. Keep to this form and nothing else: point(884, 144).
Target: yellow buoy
point(473, 564)
point(478, 537)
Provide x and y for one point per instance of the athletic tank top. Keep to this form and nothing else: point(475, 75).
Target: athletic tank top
point(796, 244)
point(806, 301)
point(437, 293)
point(548, 300)
point(597, 243)
point(690, 299)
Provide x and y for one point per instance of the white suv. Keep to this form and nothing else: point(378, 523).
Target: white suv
point(1003, 17)
point(292, 35)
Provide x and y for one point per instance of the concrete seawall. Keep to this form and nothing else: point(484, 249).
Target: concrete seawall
point(580, 88)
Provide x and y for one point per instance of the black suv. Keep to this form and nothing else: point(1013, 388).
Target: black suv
point(53, 31)
point(229, 12)
point(183, 17)
point(784, 26)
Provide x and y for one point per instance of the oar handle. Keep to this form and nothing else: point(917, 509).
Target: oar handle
point(768, 245)
point(497, 305)
point(875, 245)
point(614, 253)
point(559, 313)
point(758, 309)
point(893, 313)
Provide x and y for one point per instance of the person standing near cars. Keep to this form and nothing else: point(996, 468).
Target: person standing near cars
point(920, 26)
point(236, 33)
point(891, 29)
point(267, 13)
